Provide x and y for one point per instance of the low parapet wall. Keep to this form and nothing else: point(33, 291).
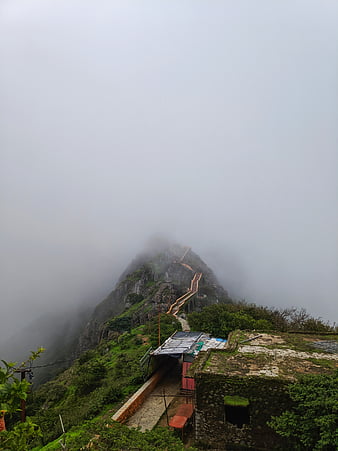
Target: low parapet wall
point(134, 403)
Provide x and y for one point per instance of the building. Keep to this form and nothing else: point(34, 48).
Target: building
point(184, 347)
point(238, 389)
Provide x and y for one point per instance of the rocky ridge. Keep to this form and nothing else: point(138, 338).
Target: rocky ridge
point(153, 281)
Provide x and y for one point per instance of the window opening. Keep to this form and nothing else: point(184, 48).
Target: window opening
point(237, 410)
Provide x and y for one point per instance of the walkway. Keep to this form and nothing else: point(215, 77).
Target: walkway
point(154, 407)
point(184, 324)
point(176, 306)
point(149, 401)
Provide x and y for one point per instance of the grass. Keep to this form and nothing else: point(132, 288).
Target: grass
point(237, 401)
point(123, 376)
point(324, 363)
point(132, 309)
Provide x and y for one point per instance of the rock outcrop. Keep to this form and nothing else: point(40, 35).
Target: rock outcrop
point(151, 283)
point(157, 279)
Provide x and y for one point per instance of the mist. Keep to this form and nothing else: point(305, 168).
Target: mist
point(213, 124)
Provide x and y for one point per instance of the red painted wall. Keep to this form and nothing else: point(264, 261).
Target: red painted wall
point(188, 383)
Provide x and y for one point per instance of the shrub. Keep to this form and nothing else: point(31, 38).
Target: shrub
point(120, 324)
point(312, 424)
point(49, 393)
point(116, 437)
point(89, 377)
point(86, 356)
point(220, 319)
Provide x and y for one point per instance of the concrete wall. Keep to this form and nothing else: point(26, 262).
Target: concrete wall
point(137, 399)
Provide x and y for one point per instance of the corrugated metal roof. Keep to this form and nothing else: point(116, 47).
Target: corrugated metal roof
point(188, 343)
point(179, 343)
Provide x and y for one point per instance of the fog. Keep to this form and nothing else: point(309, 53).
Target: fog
point(211, 123)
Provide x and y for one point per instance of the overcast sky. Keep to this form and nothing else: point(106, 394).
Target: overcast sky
point(213, 123)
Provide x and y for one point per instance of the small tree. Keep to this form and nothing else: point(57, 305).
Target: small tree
point(312, 424)
point(12, 391)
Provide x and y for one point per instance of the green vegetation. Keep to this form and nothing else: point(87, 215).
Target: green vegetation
point(312, 423)
point(89, 376)
point(20, 436)
point(324, 363)
point(101, 377)
point(12, 391)
point(220, 319)
point(134, 298)
point(94, 384)
point(143, 271)
point(238, 401)
point(168, 325)
point(123, 322)
point(105, 434)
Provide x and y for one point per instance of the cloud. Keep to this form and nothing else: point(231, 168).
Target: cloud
point(214, 125)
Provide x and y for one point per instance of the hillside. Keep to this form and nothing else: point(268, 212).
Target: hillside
point(153, 281)
point(150, 283)
point(118, 334)
point(114, 362)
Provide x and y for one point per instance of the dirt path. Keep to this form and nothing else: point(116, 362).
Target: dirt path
point(153, 408)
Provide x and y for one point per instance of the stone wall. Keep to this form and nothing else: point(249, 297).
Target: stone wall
point(267, 397)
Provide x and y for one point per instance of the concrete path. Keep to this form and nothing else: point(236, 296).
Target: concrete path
point(184, 324)
point(153, 408)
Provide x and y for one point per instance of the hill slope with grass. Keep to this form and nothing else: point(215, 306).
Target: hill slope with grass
point(120, 331)
point(149, 285)
point(111, 351)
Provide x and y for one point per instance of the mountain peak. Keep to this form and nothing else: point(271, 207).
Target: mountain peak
point(155, 279)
